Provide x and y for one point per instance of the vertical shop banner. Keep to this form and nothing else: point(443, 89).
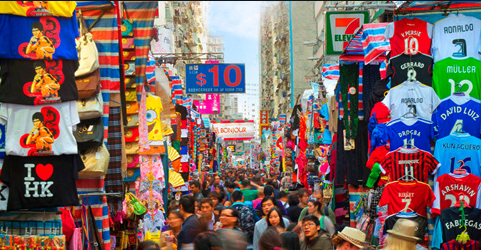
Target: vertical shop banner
point(211, 104)
point(341, 28)
point(215, 78)
point(234, 130)
point(264, 116)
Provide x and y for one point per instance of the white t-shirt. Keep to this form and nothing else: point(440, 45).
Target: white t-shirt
point(411, 96)
point(456, 36)
point(40, 130)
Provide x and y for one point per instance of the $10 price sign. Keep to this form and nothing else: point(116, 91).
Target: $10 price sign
point(215, 78)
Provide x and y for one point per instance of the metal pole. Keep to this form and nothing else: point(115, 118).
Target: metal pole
point(165, 162)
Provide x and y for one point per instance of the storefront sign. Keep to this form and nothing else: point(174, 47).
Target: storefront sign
point(211, 104)
point(263, 129)
point(215, 78)
point(341, 28)
point(234, 131)
point(264, 116)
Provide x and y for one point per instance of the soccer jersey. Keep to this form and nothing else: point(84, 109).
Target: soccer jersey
point(448, 225)
point(456, 36)
point(458, 147)
point(409, 36)
point(396, 162)
point(420, 229)
point(454, 245)
point(401, 196)
point(412, 97)
point(401, 131)
point(420, 66)
point(451, 188)
point(457, 75)
point(457, 113)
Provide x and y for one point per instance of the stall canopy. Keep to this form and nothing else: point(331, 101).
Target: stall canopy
point(434, 5)
point(368, 45)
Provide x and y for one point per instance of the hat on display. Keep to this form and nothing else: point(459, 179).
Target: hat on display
point(405, 229)
point(353, 235)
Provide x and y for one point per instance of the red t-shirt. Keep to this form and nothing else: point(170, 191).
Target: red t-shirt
point(449, 187)
point(395, 162)
point(399, 196)
point(409, 36)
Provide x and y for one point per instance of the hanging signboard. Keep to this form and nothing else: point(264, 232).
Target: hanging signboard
point(264, 116)
point(234, 131)
point(215, 78)
point(341, 27)
point(211, 104)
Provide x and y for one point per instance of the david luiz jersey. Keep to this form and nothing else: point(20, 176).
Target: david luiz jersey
point(401, 196)
point(409, 36)
point(450, 189)
point(457, 113)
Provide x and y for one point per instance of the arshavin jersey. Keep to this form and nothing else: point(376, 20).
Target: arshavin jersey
point(419, 66)
point(450, 189)
point(456, 36)
point(457, 113)
point(448, 225)
point(401, 131)
point(409, 36)
point(457, 75)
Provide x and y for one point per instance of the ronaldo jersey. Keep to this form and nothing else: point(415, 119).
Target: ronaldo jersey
point(450, 189)
point(401, 196)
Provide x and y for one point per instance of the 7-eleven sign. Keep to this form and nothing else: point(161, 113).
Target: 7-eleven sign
point(341, 28)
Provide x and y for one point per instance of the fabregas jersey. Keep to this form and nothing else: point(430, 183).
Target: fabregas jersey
point(457, 75)
point(420, 66)
point(456, 36)
point(450, 189)
point(402, 196)
point(458, 147)
point(413, 97)
point(457, 113)
point(448, 225)
point(409, 36)
point(401, 131)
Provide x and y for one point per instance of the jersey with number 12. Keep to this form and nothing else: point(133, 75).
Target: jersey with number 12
point(457, 75)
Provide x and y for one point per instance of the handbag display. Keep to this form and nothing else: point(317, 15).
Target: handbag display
point(129, 55)
point(132, 107)
point(96, 162)
point(131, 148)
point(76, 242)
point(133, 174)
point(132, 134)
point(131, 95)
point(132, 120)
point(88, 85)
point(129, 68)
point(89, 134)
point(128, 43)
point(133, 161)
point(130, 82)
point(87, 50)
point(90, 108)
point(132, 207)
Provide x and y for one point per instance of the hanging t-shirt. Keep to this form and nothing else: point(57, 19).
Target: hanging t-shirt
point(419, 66)
point(457, 113)
point(38, 82)
point(3, 192)
point(41, 182)
point(40, 130)
point(409, 36)
point(326, 136)
point(2, 140)
point(448, 225)
point(420, 229)
point(450, 189)
point(456, 36)
point(413, 97)
point(38, 8)
point(401, 131)
point(455, 245)
point(457, 75)
point(35, 38)
point(400, 196)
point(458, 147)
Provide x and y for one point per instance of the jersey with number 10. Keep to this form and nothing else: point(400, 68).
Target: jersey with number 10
point(409, 36)
point(457, 75)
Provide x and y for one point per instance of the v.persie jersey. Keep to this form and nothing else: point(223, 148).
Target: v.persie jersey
point(420, 66)
point(402, 131)
point(458, 147)
point(401, 196)
point(457, 75)
point(456, 36)
point(450, 189)
point(409, 36)
point(456, 113)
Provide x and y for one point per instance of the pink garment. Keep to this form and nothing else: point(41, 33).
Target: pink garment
point(143, 130)
point(151, 161)
point(256, 201)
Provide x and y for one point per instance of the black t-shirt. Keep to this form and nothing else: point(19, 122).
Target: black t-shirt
point(451, 220)
point(41, 182)
point(37, 82)
point(293, 212)
point(422, 224)
point(400, 65)
point(377, 95)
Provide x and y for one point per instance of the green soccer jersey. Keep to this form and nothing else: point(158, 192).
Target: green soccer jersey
point(457, 75)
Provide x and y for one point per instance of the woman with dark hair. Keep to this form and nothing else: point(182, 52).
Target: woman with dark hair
point(274, 218)
point(148, 245)
point(175, 220)
point(269, 240)
point(267, 204)
point(208, 241)
point(290, 241)
point(205, 187)
point(314, 207)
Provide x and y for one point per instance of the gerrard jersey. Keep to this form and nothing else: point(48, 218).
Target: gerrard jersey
point(411, 96)
point(409, 36)
point(457, 75)
point(401, 131)
point(451, 188)
point(395, 163)
point(420, 65)
point(448, 225)
point(456, 36)
point(458, 147)
point(457, 112)
point(401, 196)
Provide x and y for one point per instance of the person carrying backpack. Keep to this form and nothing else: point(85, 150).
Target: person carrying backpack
point(247, 216)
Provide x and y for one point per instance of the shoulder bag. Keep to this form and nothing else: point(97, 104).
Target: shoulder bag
point(96, 163)
point(87, 50)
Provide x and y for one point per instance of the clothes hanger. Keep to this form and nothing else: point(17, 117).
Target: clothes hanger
point(408, 177)
point(463, 237)
point(460, 170)
point(411, 113)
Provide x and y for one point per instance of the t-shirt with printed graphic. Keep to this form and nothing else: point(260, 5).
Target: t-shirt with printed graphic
point(458, 147)
point(3, 192)
point(448, 225)
point(38, 8)
point(41, 182)
point(413, 97)
point(400, 196)
point(449, 73)
point(409, 36)
point(420, 66)
point(395, 163)
point(450, 189)
point(422, 222)
point(37, 82)
point(48, 38)
point(402, 131)
point(456, 36)
point(456, 113)
point(40, 130)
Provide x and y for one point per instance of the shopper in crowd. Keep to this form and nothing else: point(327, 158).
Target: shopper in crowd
point(267, 204)
point(293, 200)
point(216, 182)
point(314, 237)
point(269, 192)
point(317, 195)
point(229, 218)
point(274, 218)
point(191, 226)
point(207, 214)
point(174, 220)
point(402, 236)
point(349, 239)
point(290, 241)
point(208, 241)
point(315, 208)
point(230, 187)
point(217, 198)
point(303, 199)
point(195, 189)
point(269, 240)
point(260, 196)
point(205, 187)
point(283, 199)
point(249, 192)
point(248, 216)
point(148, 245)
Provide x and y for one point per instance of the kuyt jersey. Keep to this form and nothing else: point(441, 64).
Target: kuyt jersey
point(411, 96)
point(457, 113)
point(400, 196)
point(401, 131)
point(456, 36)
point(451, 188)
point(420, 66)
point(409, 36)
point(458, 147)
point(457, 75)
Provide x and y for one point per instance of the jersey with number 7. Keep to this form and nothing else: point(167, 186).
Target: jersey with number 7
point(406, 196)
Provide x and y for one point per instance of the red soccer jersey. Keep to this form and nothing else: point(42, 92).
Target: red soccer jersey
point(400, 196)
point(409, 36)
point(395, 163)
point(450, 189)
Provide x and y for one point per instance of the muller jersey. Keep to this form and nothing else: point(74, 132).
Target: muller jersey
point(457, 113)
point(458, 147)
point(448, 225)
point(395, 163)
point(457, 75)
point(451, 188)
point(400, 196)
point(401, 131)
point(419, 65)
point(409, 36)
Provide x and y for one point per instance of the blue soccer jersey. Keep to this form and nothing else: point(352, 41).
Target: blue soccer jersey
point(457, 113)
point(401, 131)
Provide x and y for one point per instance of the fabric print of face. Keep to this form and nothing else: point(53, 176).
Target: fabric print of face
point(46, 83)
point(154, 124)
point(44, 132)
point(37, 8)
point(45, 39)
